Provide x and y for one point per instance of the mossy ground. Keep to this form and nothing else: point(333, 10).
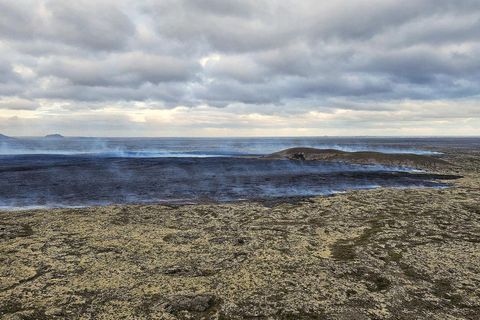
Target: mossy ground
point(378, 254)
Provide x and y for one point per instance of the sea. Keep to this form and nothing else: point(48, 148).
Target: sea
point(80, 171)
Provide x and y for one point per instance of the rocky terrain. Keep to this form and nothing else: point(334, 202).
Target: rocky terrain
point(362, 157)
point(377, 254)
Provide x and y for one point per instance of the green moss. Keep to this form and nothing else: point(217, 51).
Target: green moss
point(412, 273)
point(343, 250)
point(10, 307)
point(379, 283)
point(395, 255)
point(443, 288)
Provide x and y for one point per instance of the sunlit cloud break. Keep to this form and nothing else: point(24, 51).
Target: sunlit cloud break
point(239, 68)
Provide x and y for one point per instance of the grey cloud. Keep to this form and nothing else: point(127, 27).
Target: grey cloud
point(130, 69)
point(95, 24)
point(287, 55)
point(167, 94)
point(210, 26)
point(237, 8)
point(17, 19)
point(98, 25)
point(240, 68)
point(11, 83)
point(440, 29)
point(6, 72)
point(273, 24)
point(19, 104)
point(422, 61)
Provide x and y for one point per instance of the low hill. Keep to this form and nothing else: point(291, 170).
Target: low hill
point(361, 157)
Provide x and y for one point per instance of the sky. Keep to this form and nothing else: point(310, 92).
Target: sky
point(239, 67)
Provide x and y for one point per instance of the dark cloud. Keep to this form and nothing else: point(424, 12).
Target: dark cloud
point(129, 69)
point(98, 25)
point(94, 25)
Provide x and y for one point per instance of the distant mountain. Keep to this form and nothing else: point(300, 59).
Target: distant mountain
point(54, 136)
point(4, 137)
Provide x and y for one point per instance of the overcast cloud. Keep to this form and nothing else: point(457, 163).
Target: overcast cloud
point(240, 67)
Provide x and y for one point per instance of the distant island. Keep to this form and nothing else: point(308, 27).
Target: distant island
point(4, 137)
point(54, 136)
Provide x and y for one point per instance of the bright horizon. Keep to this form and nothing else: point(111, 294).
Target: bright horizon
point(251, 137)
point(240, 68)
